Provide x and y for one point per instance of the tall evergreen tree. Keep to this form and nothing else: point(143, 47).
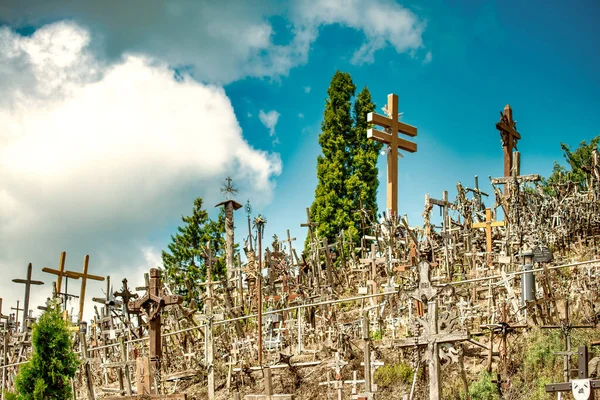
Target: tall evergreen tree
point(363, 182)
point(53, 362)
point(347, 169)
point(331, 209)
point(185, 262)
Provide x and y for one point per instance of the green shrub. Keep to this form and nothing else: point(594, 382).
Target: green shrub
point(484, 388)
point(46, 375)
point(392, 374)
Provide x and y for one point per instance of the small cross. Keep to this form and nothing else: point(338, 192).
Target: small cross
point(487, 225)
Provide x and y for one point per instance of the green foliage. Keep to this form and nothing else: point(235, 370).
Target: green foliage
point(577, 161)
point(52, 364)
point(390, 375)
point(483, 388)
point(347, 168)
point(185, 262)
point(375, 335)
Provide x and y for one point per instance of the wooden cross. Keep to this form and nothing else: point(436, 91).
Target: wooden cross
point(17, 309)
point(432, 339)
point(487, 225)
point(289, 242)
point(444, 205)
point(126, 295)
point(477, 193)
point(509, 135)
point(153, 303)
point(581, 388)
point(27, 282)
point(390, 137)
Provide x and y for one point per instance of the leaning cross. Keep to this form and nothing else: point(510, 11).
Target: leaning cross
point(509, 134)
point(488, 224)
point(390, 137)
point(27, 282)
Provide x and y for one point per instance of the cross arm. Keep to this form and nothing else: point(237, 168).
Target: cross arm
point(386, 138)
point(77, 275)
point(386, 122)
point(57, 272)
point(504, 127)
point(479, 225)
point(497, 223)
point(520, 178)
point(25, 281)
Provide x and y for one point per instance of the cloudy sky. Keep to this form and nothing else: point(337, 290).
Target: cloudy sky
point(116, 115)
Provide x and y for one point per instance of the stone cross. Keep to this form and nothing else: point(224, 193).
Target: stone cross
point(509, 135)
point(487, 225)
point(153, 303)
point(27, 282)
point(581, 388)
point(390, 137)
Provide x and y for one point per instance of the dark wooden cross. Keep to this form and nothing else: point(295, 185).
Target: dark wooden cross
point(390, 137)
point(152, 304)
point(27, 282)
point(582, 387)
point(477, 193)
point(444, 205)
point(126, 295)
point(373, 262)
point(17, 309)
point(508, 132)
point(566, 327)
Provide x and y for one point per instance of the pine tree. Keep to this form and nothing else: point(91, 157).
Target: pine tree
point(52, 364)
point(185, 260)
point(331, 208)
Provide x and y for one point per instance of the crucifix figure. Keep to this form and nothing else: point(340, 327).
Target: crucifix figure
point(508, 131)
point(27, 282)
point(153, 303)
point(487, 225)
point(390, 137)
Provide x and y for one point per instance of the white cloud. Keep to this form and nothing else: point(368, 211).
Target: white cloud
point(428, 58)
point(221, 42)
point(269, 120)
point(101, 158)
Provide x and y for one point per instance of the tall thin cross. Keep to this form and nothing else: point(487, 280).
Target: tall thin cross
point(27, 282)
point(16, 309)
point(487, 225)
point(289, 241)
point(508, 132)
point(390, 137)
point(84, 277)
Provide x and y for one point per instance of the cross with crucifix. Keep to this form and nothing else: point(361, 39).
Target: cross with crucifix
point(27, 282)
point(153, 303)
point(487, 225)
point(390, 137)
point(444, 205)
point(508, 132)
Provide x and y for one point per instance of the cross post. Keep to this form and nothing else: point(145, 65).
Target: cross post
point(487, 225)
point(509, 135)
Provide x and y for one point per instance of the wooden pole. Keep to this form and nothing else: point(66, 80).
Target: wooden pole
point(259, 283)
point(367, 351)
point(89, 379)
point(210, 347)
point(435, 389)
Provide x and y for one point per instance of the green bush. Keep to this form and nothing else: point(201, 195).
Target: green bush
point(46, 375)
point(392, 374)
point(484, 388)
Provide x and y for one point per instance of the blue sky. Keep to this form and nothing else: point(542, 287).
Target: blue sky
point(104, 150)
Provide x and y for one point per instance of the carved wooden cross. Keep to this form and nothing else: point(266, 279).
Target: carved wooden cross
point(509, 135)
point(487, 225)
point(27, 282)
point(390, 137)
point(16, 316)
point(153, 303)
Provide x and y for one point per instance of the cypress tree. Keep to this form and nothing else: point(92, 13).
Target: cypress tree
point(185, 260)
point(53, 362)
point(363, 183)
point(332, 207)
point(347, 169)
